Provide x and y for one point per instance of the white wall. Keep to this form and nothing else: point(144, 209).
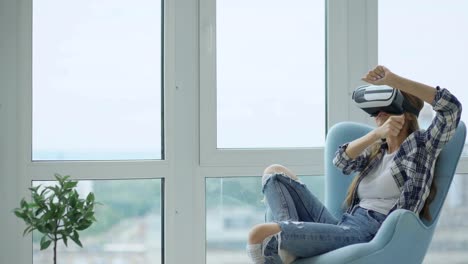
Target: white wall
point(9, 227)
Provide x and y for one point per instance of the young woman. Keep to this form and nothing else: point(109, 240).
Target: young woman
point(395, 162)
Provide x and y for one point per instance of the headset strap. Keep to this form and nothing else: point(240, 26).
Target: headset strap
point(410, 108)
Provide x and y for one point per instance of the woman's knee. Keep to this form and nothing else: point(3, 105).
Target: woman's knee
point(277, 168)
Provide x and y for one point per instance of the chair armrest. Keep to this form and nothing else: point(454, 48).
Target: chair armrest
point(396, 235)
point(398, 221)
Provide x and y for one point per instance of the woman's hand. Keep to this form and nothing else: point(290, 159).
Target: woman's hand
point(391, 127)
point(380, 75)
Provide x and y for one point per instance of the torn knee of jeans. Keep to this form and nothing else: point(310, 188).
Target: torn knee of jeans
point(266, 178)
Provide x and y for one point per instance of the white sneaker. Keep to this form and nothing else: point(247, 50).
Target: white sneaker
point(254, 252)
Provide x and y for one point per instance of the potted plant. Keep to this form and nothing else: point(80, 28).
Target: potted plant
point(57, 212)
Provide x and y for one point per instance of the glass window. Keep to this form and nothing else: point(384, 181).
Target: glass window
point(424, 42)
point(270, 72)
point(96, 80)
point(450, 241)
point(233, 206)
point(128, 227)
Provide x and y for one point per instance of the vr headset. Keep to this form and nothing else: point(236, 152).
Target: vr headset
point(376, 98)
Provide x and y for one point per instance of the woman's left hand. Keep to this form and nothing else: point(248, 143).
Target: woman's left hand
point(378, 76)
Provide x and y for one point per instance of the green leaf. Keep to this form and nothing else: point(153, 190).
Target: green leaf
point(51, 188)
point(23, 203)
point(70, 184)
point(53, 207)
point(47, 216)
point(58, 177)
point(39, 200)
point(84, 224)
point(19, 213)
point(45, 242)
point(41, 228)
point(27, 217)
point(28, 230)
point(50, 227)
point(73, 199)
point(88, 215)
point(34, 189)
point(77, 241)
point(56, 190)
point(65, 240)
point(69, 231)
point(76, 238)
point(44, 191)
point(60, 212)
point(38, 211)
point(61, 179)
point(79, 204)
point(90, 197)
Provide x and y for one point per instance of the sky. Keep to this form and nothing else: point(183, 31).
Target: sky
point(96, 79)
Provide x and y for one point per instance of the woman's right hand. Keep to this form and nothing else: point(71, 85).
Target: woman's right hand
point(391, 127)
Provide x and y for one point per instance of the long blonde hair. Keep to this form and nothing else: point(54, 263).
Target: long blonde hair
point(411, 125)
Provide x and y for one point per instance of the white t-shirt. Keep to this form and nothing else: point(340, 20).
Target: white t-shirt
point(378, 191)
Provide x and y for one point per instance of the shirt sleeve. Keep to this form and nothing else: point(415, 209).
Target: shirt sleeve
point(416, 188)
point(347, 165)
point(448, 112)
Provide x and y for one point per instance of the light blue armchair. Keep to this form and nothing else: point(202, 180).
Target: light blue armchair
point(403, 237)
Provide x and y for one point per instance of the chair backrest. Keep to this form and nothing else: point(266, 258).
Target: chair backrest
point(336, 184)
point(444, 170)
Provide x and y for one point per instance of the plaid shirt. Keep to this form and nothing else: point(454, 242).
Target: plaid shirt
point(414, 162)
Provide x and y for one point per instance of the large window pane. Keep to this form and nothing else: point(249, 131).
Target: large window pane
point(425, 40)
point(450, 241)
point(233, 206)
point(128, 227)
point(96, 80)
point(270, 73)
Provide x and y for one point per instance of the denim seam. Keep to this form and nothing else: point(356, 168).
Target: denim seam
point(283, 200)
point(307, 209)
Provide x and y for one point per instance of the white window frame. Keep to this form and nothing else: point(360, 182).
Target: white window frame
point(304, 159)
point(28, 170)
point(343, 17)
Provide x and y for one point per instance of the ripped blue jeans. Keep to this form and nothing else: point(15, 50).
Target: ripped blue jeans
point(307, 228)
